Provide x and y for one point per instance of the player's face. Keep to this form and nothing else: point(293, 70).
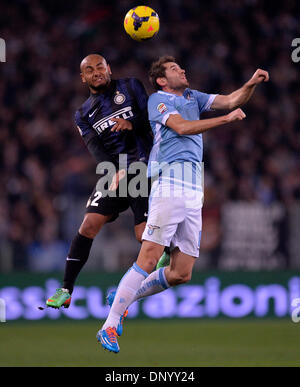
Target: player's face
point(96, 73)
point(175, 76)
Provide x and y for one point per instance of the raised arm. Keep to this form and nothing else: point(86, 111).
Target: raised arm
point(240, 96)
point(185, 127)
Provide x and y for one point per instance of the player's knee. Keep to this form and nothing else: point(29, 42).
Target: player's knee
point(89, 228)
point(149, 260)
point(151, 252)
point(149, 255)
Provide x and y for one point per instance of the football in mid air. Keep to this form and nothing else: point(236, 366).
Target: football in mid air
point(141, 23)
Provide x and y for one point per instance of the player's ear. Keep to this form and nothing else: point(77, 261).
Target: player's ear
point(82, 78)
point(161, 81)
point(109, 70)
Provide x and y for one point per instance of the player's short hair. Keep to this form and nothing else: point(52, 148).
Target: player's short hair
point(158, 70)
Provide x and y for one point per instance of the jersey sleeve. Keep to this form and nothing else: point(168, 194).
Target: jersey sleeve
point(92, 141)
point(82, 126)
point(160, 107)
point(204, 100)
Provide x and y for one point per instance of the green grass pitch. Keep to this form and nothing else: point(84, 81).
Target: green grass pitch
point(153, 343)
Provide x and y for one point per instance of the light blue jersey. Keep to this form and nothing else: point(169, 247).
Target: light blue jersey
point(168, 146)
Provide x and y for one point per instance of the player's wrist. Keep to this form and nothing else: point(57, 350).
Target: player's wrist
point(228, 118)
point(250, 84)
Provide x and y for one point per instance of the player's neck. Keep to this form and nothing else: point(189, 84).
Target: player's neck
point(98, 91)
point(178, 92)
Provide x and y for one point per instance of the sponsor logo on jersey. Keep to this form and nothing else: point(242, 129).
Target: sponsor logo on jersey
point(162, 108)
point(106, 122)
point(119, 98)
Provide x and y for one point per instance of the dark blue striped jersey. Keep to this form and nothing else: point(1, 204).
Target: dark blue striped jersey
point(124, 98)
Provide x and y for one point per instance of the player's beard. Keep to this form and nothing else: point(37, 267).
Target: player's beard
point(179, 85)
point(102, 87)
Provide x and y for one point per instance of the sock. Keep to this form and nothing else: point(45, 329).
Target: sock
point(77, 257)
point(156, 282)
point(125, 295)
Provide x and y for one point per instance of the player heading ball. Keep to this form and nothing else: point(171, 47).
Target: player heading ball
point(174, 113)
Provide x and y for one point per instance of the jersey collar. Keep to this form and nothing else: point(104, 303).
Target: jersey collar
point(186, 92)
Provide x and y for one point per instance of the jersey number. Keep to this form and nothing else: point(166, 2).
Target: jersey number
point(98, 196)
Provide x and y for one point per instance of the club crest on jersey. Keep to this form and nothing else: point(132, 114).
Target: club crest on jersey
point(119, 98)
point(162, 108)
point(151, 229)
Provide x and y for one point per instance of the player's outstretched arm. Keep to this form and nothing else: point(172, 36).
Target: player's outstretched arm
point(185, 127)
point(241, 96)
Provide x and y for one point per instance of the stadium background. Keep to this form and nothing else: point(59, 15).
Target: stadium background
point(251, 217)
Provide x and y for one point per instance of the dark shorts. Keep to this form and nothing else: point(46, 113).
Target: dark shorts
point(108, 205)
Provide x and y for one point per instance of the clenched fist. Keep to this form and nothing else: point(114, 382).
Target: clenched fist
point(258, 77)
point(236, 115)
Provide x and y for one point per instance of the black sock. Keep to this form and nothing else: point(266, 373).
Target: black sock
point(77, 257)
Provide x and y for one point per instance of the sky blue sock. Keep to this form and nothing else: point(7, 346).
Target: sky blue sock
point(156, 282)
point(125, 295)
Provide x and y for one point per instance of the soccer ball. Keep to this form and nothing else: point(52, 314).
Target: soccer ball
point(141, 23)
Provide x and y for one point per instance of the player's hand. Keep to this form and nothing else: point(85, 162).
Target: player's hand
point(121, 124)
point(236, 115)
point(258, 77)
point(115, 181)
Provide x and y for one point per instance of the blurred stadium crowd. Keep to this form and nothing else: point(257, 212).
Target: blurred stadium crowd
point(47, 174)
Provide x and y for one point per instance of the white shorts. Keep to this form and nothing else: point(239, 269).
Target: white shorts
point(175, 216)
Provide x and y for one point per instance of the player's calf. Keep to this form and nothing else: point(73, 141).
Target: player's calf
point(181, 268)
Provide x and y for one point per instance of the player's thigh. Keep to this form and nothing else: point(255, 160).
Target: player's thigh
point(92, 224)
point(188, 234)
point(164, 215)
point(106, 205)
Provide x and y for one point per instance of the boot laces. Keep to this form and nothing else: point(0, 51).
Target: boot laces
point(112, 334)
